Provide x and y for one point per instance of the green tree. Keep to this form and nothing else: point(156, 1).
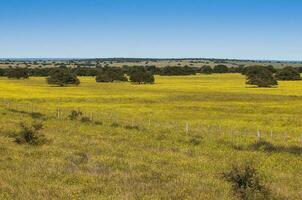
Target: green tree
point(111, 74)
point(62, 77)
point(221, 69)
point(206, 69)
point(18, 73)
point(288, 74)
point(2, 72)
point(260, 76)
point(141, 76)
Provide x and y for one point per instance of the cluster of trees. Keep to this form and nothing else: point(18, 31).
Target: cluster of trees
point(267, 76)
point(110, 74)
point(64, 76)
point(17, 73)
point(261, 76)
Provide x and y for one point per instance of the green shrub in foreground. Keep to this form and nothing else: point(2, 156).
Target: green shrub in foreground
point(31, 134)
point(246, 183)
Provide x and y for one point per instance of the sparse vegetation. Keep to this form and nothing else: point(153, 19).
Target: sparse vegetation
point(31, 134)
point(246, 183)
point(135, 143)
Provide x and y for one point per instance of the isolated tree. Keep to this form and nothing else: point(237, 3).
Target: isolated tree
point(260, 76)
point(206, 69)
point(18, 73)
point(141, 76)
point(288, 74)
point(220, 69)
point(62, 77)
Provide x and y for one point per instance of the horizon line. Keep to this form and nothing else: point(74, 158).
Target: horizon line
point(142, 58)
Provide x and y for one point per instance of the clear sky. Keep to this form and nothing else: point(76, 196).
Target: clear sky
point(246, 29)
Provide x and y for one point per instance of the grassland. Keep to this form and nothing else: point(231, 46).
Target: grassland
point(148, 154)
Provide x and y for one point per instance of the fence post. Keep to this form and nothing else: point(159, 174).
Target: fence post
point(187, 128)
point(91, 116)
point(58, 112)
point(271, 136)
point(259, 135)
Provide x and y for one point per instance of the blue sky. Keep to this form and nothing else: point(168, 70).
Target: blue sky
point(246, 29)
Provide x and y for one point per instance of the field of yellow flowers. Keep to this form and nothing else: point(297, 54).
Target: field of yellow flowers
point(169, 140)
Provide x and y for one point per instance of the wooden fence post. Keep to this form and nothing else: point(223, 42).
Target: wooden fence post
point(187, 128)
point(259, 135)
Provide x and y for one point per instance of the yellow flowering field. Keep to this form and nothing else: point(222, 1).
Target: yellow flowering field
point(169, 140)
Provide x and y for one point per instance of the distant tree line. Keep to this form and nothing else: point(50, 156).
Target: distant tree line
point(262, 76)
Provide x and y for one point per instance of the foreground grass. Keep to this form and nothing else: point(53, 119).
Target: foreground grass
point(158, 159)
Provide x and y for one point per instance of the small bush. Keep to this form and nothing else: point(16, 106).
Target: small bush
point(132, 127)
point(74, 115)
point(263, 146)
point(85, 120)
point(246, 183)
point(195, 141)
point(79, 158)
point(115, 125)
point(98, 123)
point(31, 134)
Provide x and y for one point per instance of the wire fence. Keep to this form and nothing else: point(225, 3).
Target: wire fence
point(143, 123)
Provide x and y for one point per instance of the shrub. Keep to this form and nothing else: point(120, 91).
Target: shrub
point(195, 141)
point(115, 125)
point(79, 158)
point(18, 73)
point(141, 76)
point(62, 77)
point(98, 123)
point(246, 183)
point(263, 146)
point(31, 134)
point(74, 115)
point(85, 120)
point(260, 76)
point(131, 127)
point(288, 74)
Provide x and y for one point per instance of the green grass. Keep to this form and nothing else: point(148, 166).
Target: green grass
point(147, 154)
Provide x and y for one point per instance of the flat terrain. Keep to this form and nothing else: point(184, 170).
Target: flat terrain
point(170, 140)
point(143, 62)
